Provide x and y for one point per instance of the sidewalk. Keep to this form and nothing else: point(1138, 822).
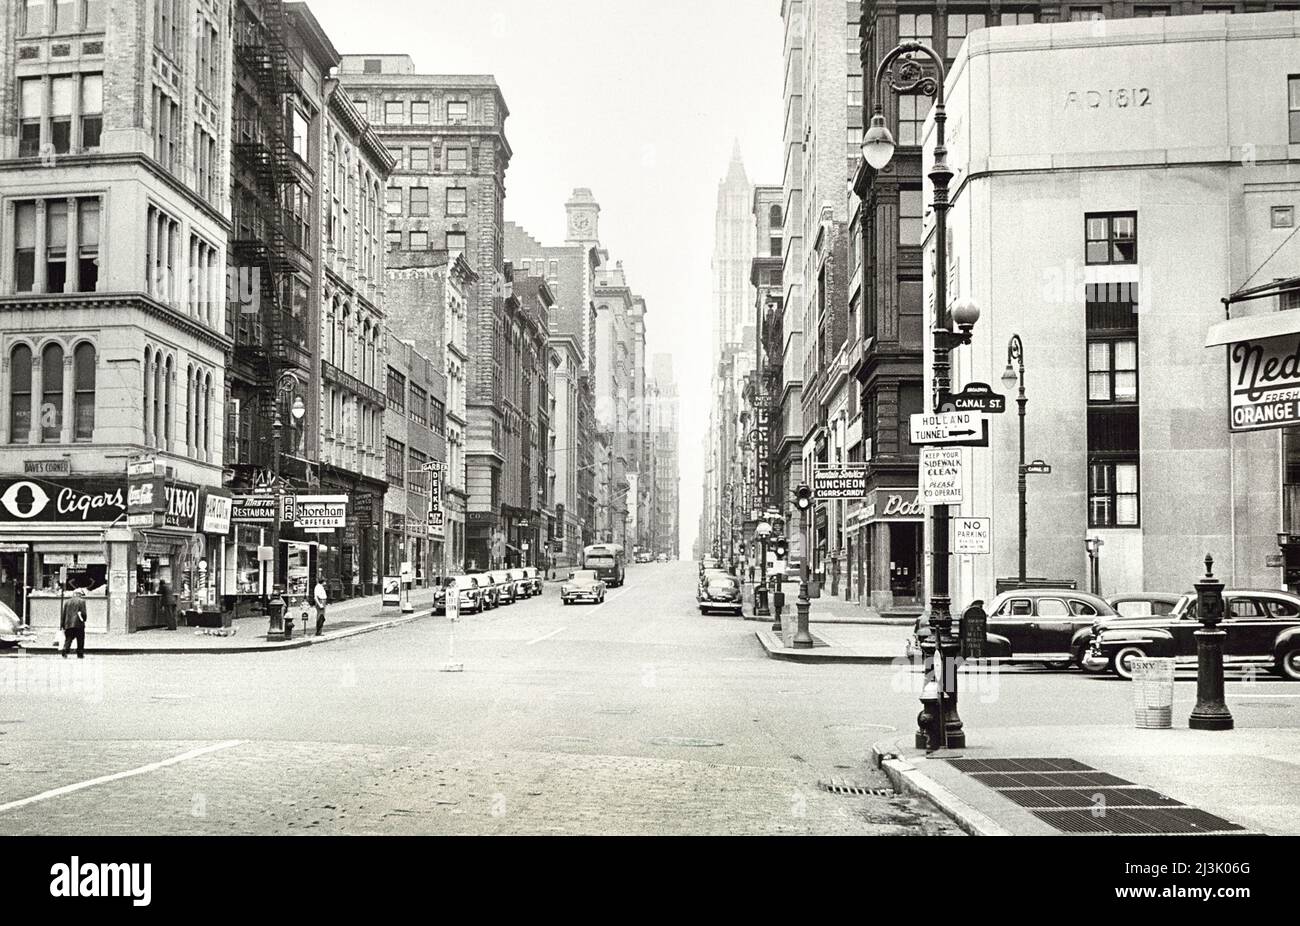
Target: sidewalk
point(831, 610)
point(1250, 777)
point(850, 643)
point(249, 634)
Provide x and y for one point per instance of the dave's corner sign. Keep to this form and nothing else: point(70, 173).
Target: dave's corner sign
point(1264, 383)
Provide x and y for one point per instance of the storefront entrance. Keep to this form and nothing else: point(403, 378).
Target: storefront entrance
point(905, 563)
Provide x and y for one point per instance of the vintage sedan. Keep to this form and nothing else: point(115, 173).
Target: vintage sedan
point(534, 579)
point(583, 585)
point(507, 590)
point(1048, 625)
point(1143, 604)
point(11, 628)
point(491, 591)
point(467, 588)
point(523, 584)
point(720, 592)
point(1262, 626)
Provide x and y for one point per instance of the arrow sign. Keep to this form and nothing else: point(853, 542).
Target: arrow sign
point(947, 427)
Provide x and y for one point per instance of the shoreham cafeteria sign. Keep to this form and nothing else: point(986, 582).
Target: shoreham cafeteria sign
point(1263, 372)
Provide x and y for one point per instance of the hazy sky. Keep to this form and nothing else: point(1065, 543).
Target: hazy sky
point(640, 101)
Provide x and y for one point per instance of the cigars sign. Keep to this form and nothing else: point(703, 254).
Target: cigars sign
point(79, 502)
point(1264, 383)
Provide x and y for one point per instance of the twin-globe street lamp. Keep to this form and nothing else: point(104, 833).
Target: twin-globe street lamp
point(878, 150)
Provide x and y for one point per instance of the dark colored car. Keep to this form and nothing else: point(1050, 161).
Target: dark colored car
point(1048, 625)
point(1262, 626)
point(471, 600)
point(1143, 604)
point(719, 592)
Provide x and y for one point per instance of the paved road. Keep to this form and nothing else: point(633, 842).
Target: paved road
point(635, 716)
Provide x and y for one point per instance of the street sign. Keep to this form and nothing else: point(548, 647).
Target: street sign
point(1037, 466)
point(840, 481)
point(975, 397)
point(948, 427)
point(971, 535)
point(941, 469)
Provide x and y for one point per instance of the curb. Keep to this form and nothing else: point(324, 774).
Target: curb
point(873, 621)
point(775, 650)
point(908, 779)
point(267, 647)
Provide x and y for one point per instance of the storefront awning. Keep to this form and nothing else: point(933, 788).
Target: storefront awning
point(1253, 328)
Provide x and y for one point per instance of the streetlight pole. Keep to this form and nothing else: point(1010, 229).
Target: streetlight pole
point(878, 149)
point(1010, 377)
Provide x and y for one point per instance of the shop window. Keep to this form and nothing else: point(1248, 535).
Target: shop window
point(51, 392)
point(20, 394)
point(83, 376)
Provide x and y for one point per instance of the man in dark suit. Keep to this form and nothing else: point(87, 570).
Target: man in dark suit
point(74, 623)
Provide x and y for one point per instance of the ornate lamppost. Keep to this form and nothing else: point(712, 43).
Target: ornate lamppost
point(1012, 377)
point(878, 150)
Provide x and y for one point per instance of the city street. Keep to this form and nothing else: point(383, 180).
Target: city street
point(635, 716)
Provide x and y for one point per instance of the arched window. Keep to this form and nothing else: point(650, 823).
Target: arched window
point(83, 379)
point(51, 392)
point(774, 217)
point(20, 394)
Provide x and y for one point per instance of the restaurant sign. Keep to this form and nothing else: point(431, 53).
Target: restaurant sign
point(253, 509)
point(1264, 383)
point(321, 511)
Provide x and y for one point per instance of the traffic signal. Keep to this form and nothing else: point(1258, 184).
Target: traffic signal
point(780, 549)
point(803, 498)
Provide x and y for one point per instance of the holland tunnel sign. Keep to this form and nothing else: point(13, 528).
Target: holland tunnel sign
point(1264, 383)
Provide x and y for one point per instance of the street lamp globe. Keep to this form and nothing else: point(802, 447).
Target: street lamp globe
point(1009, 377)
point(878, 143)
point(762, 529)
point(299, 409)
point(966, 313)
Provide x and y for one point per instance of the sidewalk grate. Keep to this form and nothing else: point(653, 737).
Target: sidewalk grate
point(1076, 798)
point(836, 786)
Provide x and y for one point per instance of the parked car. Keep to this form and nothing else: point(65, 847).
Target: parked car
point(523, 584)
point(11, 628)
point(719, 592)
point(1262, 626)
point(709, 563)
point(662, 558)
point(491, 592)
point(583, 585)
point(644, 557)
point(708, 574)
point(1048, 625)
point(1143, 604)
point(534, 576)
point(471, 596)
point(507, 590)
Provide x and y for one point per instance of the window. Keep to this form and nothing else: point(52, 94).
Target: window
point(87, 245)
point(1112, 371)
point(1112, 494)
point(393, 114)
point(162, 235)
point(420, 159)
point(20, 394)
point(457, 201)
point(419, 405)
point(419, 112)
point(419, 200)
point(1218, 8)
point(457, 159)
point(457, 110)
point(51, 409)
point(396, 390)
point(1052, 607)
point(83, 384)
point(395, 462)
point(437, 417)
point(31, 93)
point(455, 241)
point(56, 245)
point(1079, 14)
point(911, 306)
point(1111, 238)
point(92, 110)
point(34, 17)
point(393, 200)
point(25, 248)
point(1282, 216)
point(418, 477)
point(1080, 608)
point(166, 125)
point(373, 66)
point(61, 114)
point(959, 26)
point(916, 27)
point(299, 134)
point(65, 16)
point(1150, 12)
point(1016, 19)
point(912, 110)
point(911, 212)
point(393, 240)
point(419, 240)
point(1293, 106)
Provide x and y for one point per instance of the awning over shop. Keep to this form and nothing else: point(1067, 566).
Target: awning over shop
point(1253, 328)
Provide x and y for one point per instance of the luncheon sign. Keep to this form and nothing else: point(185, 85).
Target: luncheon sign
point(1264, 383)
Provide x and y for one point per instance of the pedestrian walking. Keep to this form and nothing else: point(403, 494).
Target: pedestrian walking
point(319, 595)
point(74, 623)
point(168, 603)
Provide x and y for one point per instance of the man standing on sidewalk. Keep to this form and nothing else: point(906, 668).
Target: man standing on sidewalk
point(74, 623)
point(319, 595)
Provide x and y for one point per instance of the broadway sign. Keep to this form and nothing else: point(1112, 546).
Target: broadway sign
point(1264, 383)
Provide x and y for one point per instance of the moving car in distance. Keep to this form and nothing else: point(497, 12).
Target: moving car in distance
point(583, 585)
point(719, 592)
point(661, 558)
point(606, 560)
point(471, 601)
point(1262, 628)
point(1143, 604)
point(1048, 625)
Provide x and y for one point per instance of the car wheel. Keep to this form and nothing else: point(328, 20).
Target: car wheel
point(1288, 664)
point(565, 600)
point(1057, 663)
point(1122, 663)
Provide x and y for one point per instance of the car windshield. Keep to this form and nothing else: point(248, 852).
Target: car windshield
point(722, 582)
point(584, 575)
point(602, 560)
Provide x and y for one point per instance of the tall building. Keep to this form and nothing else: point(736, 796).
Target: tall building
point(665, 427)
point(1116, 294)
point(763, 391)
point(733, 249)
point(115, 331)
point(448, 133)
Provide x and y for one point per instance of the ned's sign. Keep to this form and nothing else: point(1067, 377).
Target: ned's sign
point(1264, 383)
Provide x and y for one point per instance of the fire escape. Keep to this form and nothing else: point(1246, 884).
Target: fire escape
point(262, 149)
